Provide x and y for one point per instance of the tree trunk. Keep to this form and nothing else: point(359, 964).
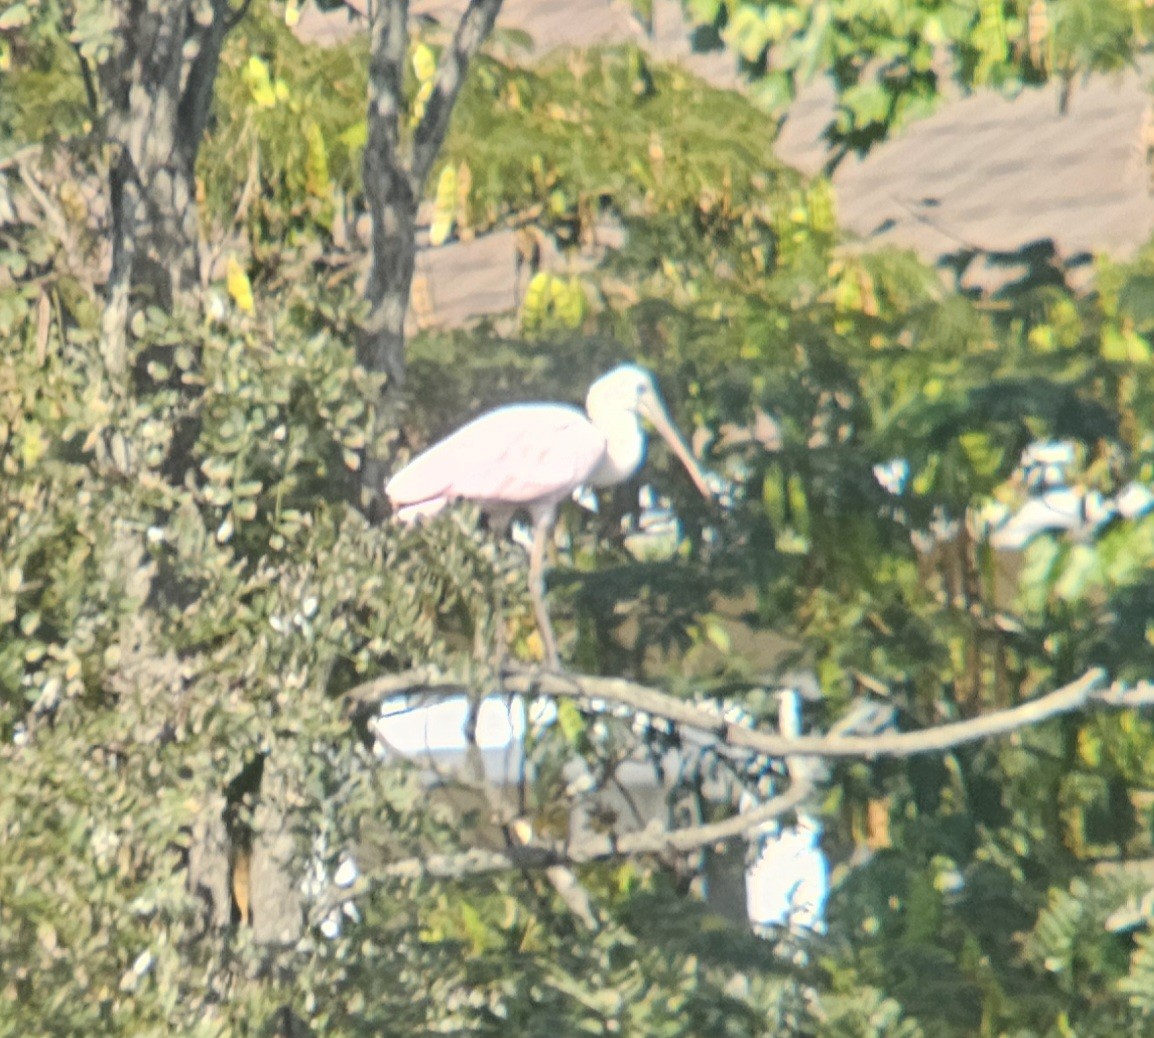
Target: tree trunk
point(391, 195)
point(208, 863)
point(159, 86)
point(394, 182)
point(274, 881)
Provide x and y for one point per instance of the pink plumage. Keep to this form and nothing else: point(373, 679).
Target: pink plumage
point(531, 456)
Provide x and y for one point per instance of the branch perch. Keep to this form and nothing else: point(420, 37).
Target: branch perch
point(1090, 689)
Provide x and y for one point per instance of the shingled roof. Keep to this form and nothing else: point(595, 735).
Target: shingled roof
point(990, 174)
point(985, 185)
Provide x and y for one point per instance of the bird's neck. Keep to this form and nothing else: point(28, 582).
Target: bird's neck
point(624, 447)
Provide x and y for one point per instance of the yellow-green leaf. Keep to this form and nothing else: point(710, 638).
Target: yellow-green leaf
point(424, 63)
point(317, 163)
point(34, 445)
point(536, 302)
point(239, 286)
point(820, 204)
point(259, 82)
point(571, 721)
point(356, 136)
point(568, 301)
point(715, 633)
point(444, 207)
point(982, 452)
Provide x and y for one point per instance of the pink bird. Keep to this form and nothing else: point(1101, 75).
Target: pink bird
point(533, 456)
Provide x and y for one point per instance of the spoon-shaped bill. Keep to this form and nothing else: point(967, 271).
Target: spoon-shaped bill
point(652, 408)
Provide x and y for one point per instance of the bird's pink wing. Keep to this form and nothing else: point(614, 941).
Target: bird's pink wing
point(523, 454)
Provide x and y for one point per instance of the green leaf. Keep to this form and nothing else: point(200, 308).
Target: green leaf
point(356, 136)
point(747, 32)
point(572, 722)
point(703, 12)
point(317, 182)
point(867, 103)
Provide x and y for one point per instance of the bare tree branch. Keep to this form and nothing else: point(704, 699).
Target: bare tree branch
point(393, 187)
point(539, 855)
point(1090, 689)
point(472, 31)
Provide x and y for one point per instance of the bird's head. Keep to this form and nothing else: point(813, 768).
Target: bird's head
point(630, 389)
point(627, 387)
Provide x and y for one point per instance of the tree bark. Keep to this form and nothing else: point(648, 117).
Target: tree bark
point(390, 193)
point(274, 883)
point(208, 863)
point(158, 84)
point(394, 180)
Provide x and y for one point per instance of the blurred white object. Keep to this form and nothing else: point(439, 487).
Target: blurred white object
point(317, 881)
point(413, 730)
point(1134, 500)
point(1053, 505)
point(658, 531)
point(586, 497)
point(788, 883)
point(347, 873)
point(1047, 463)
point(1064, 509)
point(893, 475)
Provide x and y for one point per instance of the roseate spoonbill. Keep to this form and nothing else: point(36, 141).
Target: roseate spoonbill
point(533, 456)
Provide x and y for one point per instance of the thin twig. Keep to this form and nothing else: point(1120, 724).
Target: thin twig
point(540, 855)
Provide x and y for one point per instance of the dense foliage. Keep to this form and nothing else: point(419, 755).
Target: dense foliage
point(891, 60)
point(186, 592)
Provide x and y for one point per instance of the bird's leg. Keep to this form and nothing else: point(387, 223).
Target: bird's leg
point(507, 559)
point(490, 639)
point(497, 625)
point(537, 592)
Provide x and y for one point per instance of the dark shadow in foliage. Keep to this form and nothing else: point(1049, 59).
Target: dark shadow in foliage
point(986, 799)
point(1111, 818)
point(1066, 412)
point(635, 608)
point(910, 947)
point(669, 919)
point(284, 1023)
point(1122, 645)
point(706, 36)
